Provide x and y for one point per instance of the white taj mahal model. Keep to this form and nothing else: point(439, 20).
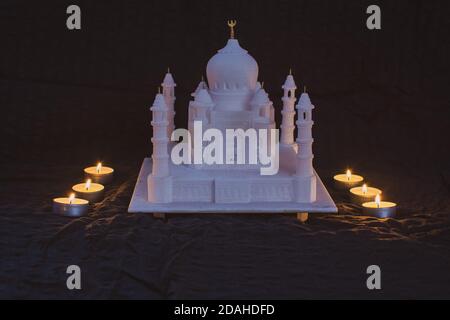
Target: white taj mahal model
point(232, 98)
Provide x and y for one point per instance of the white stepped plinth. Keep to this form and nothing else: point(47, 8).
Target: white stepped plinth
point(140, 204)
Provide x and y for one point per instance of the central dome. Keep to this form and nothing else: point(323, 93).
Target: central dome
point(232, 68)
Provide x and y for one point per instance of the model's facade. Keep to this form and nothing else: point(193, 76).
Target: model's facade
point(232, 98)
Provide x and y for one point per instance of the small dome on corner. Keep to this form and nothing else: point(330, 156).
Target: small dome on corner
point(203, 98)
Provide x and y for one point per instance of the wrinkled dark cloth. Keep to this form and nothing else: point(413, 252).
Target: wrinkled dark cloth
point(71, 98)
point(125, 255)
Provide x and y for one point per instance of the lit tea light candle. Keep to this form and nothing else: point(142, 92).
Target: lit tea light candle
point(99, 173)
point(93, 192)
point(363, 194)
point(380, 209)
point(347, 180)
point(70, 206)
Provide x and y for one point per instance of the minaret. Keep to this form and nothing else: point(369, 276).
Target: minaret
point(288, 111)
point(159, 182)
point(168, 86)
point(304, 176)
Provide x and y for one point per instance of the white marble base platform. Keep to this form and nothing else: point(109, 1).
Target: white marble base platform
point(140, 204)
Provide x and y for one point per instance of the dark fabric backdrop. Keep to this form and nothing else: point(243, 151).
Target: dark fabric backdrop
point(70, 96)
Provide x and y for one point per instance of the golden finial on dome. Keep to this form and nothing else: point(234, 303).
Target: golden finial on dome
point(231, 24)
point(304, 89)
point(290, 71)
point(168, 69)
point(159, 89)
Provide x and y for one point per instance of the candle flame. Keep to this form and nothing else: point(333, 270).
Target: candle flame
point(99, 167)
point(71, 198)
point(364, 188)
point(348, 174)
point(378, 200)
point(88, 184)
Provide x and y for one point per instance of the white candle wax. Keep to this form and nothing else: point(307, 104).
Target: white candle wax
point(380, 209)
point(93, 192)
point(70, 206)
point(347, 180)
point(99, 173)
point(363, 194)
